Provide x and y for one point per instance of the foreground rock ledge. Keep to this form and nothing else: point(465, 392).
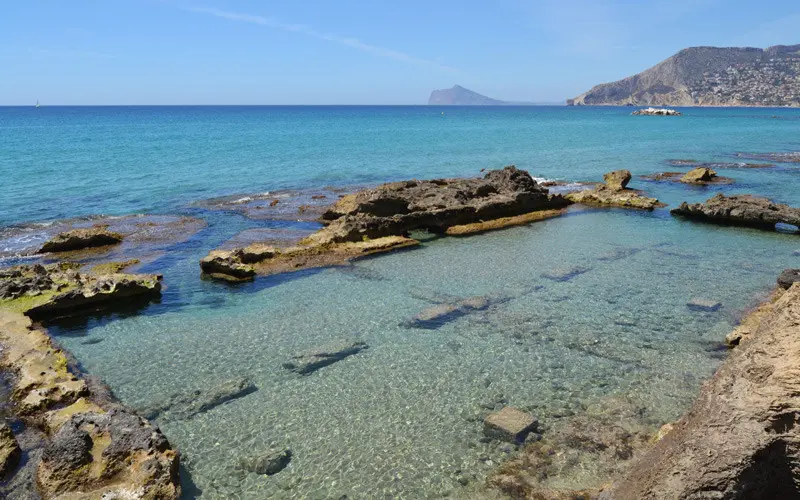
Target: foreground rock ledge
point(95, 448)
point(55, 290)
point(380, 219)
point(740, 210)
point(741, 437)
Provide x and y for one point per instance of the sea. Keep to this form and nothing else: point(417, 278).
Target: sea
point(403, 418)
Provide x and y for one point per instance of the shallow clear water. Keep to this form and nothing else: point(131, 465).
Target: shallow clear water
point(403, 418)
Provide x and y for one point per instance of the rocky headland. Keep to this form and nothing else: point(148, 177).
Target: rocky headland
point(709, 76)
point(380, 219)
point(742, 210)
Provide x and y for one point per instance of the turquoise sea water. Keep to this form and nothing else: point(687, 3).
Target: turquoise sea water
point(403, 418)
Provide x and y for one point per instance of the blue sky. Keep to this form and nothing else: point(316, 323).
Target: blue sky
point(354, 51)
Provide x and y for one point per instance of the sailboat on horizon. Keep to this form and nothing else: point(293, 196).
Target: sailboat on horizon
point(37, 103)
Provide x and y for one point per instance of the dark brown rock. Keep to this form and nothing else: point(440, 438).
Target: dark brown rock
point(78, 239)
point(740, 210)
point(788, 277)
point(10, 452)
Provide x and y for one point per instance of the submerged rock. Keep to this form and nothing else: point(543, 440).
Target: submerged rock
point(788, 277)
point(740, 438)
point(717, 164)
point(740, 210)
point(269, 463)
point(692, 177)
point(58, 290)
point(618, 179)
point(10, 452)
point(78, 239)
point(509, 424)
point(791, 157)
point(188, 405)
point(656, 112)
point(312, 360)
point(566, 273)
point(440, 314)
point(698, 304)
point(379, 219)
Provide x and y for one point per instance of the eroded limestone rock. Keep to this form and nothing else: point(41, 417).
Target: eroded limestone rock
point(78, 239)
point(10, 452)
point(618, 179)
point(698, 175)
point(379, 219)
point(57, 290)
point(740, 210)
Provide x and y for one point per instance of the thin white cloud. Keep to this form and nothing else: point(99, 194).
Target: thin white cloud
point(311, 32)
point(69, 53)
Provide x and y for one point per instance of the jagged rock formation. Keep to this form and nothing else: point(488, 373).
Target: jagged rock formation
point(78, 239)
point(709, 76)
point(459, 96)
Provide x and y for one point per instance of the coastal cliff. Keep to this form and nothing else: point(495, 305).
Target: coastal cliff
point(709, 76)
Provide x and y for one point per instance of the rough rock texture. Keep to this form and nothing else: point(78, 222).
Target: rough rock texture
point(788, 278)
point(312, 360)
point(185, 406)
point(509, 424)
point(656, 112)
point(740, 210)
point(618, 179)
point(107, 452)
point(10, 452)
point(78, 239)
point(698, 175)
point(379, 219)
point(741, 437)
point(57, 290)
point(269, 463)
point(612, 196)
point(95, 447)
point(583, 450)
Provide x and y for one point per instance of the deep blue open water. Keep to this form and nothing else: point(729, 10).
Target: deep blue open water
point(402, 419)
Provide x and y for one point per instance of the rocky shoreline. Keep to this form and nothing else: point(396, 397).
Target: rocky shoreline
point(90, 446)
point(87, 445)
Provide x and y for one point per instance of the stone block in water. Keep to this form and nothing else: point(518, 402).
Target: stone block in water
point(509, 424)
point(698, 304)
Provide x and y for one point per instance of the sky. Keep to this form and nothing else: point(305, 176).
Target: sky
point(355, 51)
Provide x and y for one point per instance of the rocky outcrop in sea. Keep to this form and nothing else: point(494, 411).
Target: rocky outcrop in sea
point(740, 210)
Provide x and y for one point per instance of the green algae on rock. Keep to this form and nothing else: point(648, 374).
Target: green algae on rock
point(94, 449)
point(56, 290)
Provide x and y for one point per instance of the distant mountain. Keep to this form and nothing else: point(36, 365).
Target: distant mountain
point(459, 96)
point(709, 76)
